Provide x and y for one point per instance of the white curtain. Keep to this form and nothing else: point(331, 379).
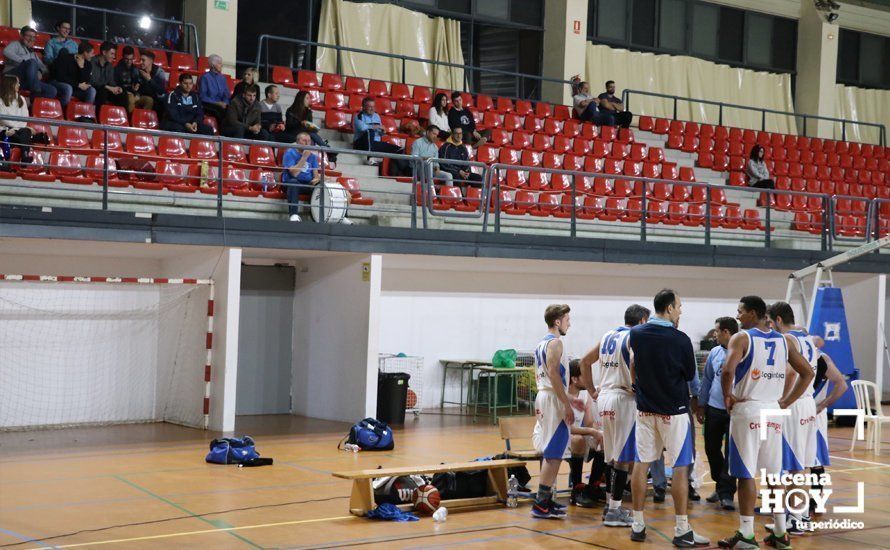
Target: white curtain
point(390, 29)
point(694, 78)
point(865, 105)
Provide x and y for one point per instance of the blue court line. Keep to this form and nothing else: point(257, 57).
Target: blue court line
point(23, 538)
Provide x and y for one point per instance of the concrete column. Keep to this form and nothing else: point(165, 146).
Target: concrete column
point(217, 24)
point(817, 43)
point(565, 46)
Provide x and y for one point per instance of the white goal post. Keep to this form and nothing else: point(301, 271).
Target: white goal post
point(104, 350)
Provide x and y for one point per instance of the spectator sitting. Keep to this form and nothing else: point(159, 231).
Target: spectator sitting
point(272, 117)
point(426, 147)
point(758, 173)
point(102, 77)
point(298, 118)
point(12, 103)
point(301, 173)
point(243, 118)
point(61, 41)
point(152, 79)
point(586, 107)
point(22, 62)
point(454, 149)
point(438, 115)
point(459, 117)
point(126, 75)
point(183, 112)
point(250, 77)
point(214, 89)
point(73, 74)
point(613, 106)
point(368, 130)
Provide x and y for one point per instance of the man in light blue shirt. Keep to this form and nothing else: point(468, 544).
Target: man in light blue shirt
point(367, 131)
point(712, 412)
point(427, 148)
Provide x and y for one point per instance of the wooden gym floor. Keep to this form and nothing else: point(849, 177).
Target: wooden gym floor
point(147, 486)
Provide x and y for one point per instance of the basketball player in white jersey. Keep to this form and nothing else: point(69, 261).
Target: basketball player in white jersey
point(553, 409)
point(617, 407)
point(585, 434)
point(826, 371)
point(801, 427)
point(753, 380)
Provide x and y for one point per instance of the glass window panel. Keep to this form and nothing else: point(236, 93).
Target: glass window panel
point(730, 35)
point(784, 44)
point(611, 18)
point(643, 22)
point(499, 9)
point(528, 12)
point(848, 56)
point(458, 6)
point(672, 25)
point(705, 20)
point(759, 39)
point(871, 59)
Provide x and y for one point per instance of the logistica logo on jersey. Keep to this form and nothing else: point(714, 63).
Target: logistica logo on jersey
point(792, 493)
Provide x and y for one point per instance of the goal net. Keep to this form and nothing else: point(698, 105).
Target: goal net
point(77, 351)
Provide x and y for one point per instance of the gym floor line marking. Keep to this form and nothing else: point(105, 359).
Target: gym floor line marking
point(203, 532)
point(183, 509)
point(858, 460)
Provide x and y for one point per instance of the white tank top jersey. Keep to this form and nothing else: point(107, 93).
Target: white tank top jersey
point(614, 371)
point(541, 376)
point(807, 347)
point(760, 375)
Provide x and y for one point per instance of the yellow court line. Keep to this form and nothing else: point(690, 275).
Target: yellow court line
point(201, 532)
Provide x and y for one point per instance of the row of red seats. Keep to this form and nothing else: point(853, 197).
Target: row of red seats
point(682, 130)
point(603, 187)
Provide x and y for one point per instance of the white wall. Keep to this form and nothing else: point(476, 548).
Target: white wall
point(335, 337)
point(468, 308)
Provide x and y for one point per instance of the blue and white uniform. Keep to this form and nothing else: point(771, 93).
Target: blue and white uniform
point(820, 394)
point(758, 385)
point(801, 427)
point(616, 404)
point(551, 435)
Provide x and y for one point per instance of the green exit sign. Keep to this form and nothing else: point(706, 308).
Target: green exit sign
point(221, 4)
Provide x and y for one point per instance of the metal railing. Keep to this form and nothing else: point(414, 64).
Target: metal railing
point(190, 38)
point(262, 60)
point(721, 106)
point(224, 192)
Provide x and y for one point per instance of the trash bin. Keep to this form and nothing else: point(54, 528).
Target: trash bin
point(392, 396)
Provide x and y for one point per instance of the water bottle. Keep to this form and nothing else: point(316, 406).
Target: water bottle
point(352, 447)
point(512, 491)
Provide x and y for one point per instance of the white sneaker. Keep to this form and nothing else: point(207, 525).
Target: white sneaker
point(346, 221)
point(371, 161)
point(295, 218)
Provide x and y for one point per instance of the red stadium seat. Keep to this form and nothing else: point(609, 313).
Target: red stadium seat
point(483, 102)
point(66, 166)
point(646, 123)
point(542, 109)
point(377, 88)
point(512, 122)
point(284, 76)
point(504, 105)
point(524, 107)
point(71, 137)
point(355, 85)
point(145, 118)
point(172, 147)
point(421, 94)
point(399, 91)
point(112, 115)
point(561, 112)
point(233, 152)
point(173, 176)
point(115, 143)
point(181, 61)
point(47, 108)
point(77, 109)
point(201, 149)
point(95, 167)
point(140, 144)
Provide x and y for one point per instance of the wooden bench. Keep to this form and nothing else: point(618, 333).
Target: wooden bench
point(362, 500)
point(516, 432)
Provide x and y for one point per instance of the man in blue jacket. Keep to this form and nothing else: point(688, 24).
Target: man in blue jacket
point(214, 89)
point(183, 112)
point(366, 137)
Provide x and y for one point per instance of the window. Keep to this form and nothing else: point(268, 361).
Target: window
point(784, 44)
point(457, 6)
point(705, 20)
point(871, 59)
point(759, 39)
point(862, 59)
point(672, 25)
point(611, 19)
point(643, 23)
point(498, 9)
point(529, 12)
point(730, 37)
point(848, 56)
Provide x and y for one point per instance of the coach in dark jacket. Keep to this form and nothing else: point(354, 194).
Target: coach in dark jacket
point(243, 118)
point(183, 111)
point(663, 365)
point(454, 149)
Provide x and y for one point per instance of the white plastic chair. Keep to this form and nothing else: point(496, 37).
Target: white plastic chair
point(868, 401)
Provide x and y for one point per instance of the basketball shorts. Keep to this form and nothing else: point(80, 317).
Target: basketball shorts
point(551, 434)
point(618, 414)
point(822, 458)
point(670, 433)
point(748, 453)
point(593, 444)
point(799, 436)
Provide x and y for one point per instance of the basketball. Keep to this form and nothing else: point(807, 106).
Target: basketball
point(412, 399)
point(426, 500)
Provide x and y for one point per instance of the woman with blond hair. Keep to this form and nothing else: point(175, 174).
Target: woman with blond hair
point(250, 77)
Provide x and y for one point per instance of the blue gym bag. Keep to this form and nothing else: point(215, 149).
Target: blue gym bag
point(371, 434)
point(232, 450)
